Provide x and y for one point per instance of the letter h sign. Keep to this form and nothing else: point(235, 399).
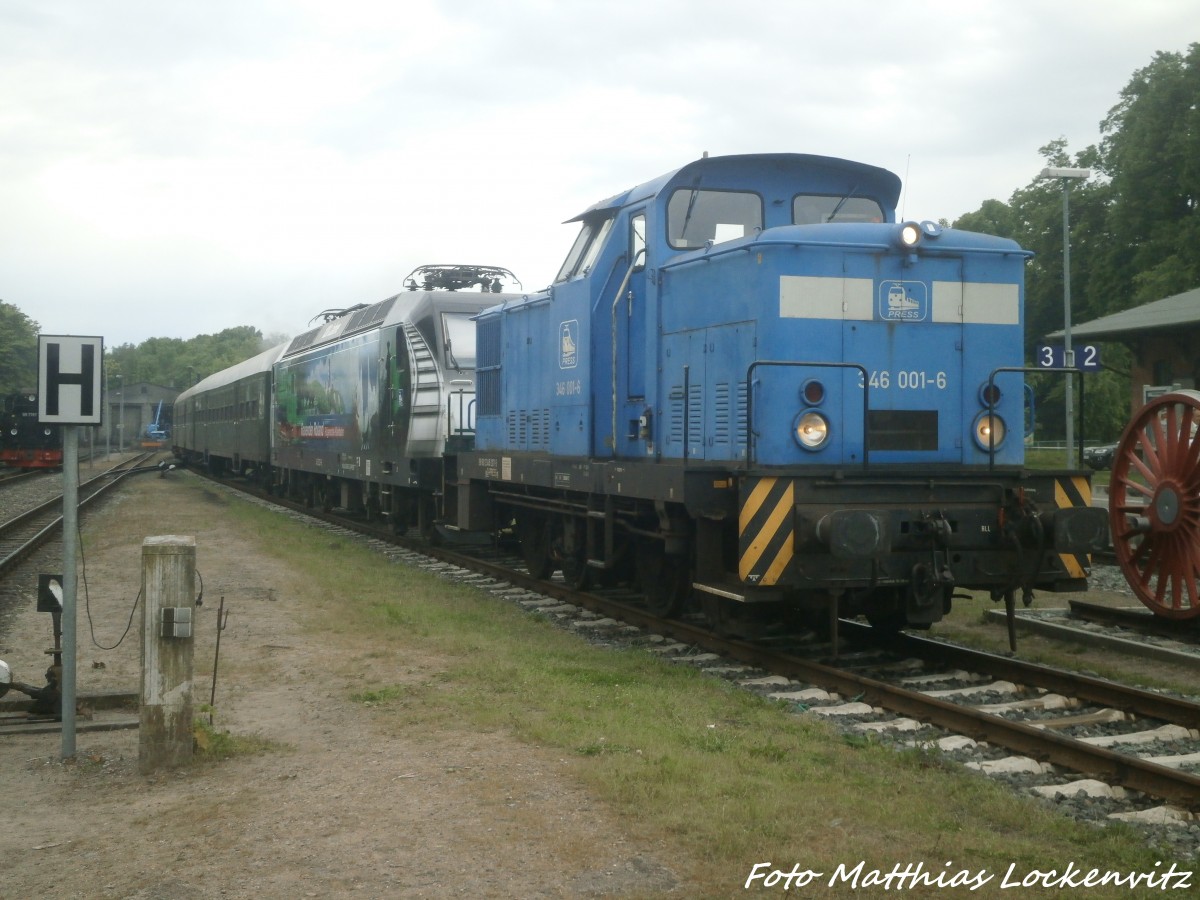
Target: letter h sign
point(70, 376)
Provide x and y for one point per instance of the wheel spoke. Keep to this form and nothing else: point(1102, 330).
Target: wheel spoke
point(1138, 487)
point(1170, 445)
point(1149, 471)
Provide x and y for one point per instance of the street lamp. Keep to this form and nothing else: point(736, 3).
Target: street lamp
point(121, 417)
point(1065, 176)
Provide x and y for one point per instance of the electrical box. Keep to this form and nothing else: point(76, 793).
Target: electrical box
point(176, 622)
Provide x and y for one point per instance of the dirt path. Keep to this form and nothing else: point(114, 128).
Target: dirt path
point(341, 806)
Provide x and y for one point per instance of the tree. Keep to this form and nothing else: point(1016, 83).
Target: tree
point(1134, 227)
point(1152, 155)
point(177, 363)
point(18, 350)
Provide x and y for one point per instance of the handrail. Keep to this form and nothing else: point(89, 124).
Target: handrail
point(461, 394)
point(991, 407)
point(617, 299)
point(756, 243)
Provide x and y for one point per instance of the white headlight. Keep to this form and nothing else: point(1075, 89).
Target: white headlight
point(989, 431)
point(811, 430)
point(910, 234)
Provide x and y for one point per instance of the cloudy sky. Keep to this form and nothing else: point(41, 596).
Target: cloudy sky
point(171, 168)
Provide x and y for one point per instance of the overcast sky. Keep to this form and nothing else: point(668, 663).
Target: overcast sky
point(169, 169)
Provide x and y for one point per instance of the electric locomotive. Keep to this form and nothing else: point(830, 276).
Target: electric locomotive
point(750, 385)
point(356, 413)
point(26, 443)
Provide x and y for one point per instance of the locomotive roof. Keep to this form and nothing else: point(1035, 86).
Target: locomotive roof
point(884, 184)
point(408, 306)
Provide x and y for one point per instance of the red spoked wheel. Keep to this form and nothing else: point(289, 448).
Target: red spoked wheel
point(1154, 505)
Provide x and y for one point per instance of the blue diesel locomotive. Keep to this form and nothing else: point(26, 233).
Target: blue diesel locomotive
point(749, 384)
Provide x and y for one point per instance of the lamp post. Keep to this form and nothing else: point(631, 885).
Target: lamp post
point(121, 417)
point(1065, 176)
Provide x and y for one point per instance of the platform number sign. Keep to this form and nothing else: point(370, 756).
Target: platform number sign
point(70, 377)
point(1086, 357)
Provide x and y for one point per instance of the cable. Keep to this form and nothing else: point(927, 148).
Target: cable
point(87, 601)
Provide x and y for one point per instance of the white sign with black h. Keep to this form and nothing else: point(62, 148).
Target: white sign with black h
point(70, 378)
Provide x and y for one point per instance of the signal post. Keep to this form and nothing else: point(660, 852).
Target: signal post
point(70, 375)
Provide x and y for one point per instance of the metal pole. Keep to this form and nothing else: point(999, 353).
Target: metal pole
point(70, 526)
point(1069, 354)
point(108, 422)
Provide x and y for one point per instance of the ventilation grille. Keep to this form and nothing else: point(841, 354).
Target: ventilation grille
point(487, 366)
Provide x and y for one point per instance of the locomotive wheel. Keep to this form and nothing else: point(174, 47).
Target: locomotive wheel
point(533, 531)
point(885, 610)
point(426, 517)
point(576, 572)
point(664, 579)
point(1154, 505)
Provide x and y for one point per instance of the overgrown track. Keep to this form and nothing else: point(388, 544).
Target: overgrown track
point(1032, 686)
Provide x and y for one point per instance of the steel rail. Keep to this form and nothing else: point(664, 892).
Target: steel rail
point(22, 552)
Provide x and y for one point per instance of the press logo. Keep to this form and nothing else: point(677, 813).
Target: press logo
point(903, 301)
point(568, 344)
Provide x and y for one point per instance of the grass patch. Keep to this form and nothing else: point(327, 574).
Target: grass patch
point(718, 778)
point(211, 744)
point(380, 696)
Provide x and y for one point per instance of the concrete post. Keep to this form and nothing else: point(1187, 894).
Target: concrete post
point(168, 590)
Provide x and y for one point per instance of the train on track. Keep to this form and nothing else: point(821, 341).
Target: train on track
point(25, 443)
point(749, 390)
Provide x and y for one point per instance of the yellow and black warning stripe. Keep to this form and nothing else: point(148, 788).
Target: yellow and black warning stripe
point(766, 530)
point(1072, 491)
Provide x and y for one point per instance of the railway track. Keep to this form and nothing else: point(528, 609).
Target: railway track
point(9, 477)
point(1077, 735)
point(35, 515)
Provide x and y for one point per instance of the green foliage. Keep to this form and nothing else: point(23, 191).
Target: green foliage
point(173, 362)
point(18, 350)
point(1134, 228)
point(170, 362)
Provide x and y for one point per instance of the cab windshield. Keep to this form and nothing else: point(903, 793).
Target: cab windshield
point(817, 209)
point(695, 217)
point(586, 248)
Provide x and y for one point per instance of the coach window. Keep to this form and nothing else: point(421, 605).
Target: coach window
point(695, 217)
point(816, 209)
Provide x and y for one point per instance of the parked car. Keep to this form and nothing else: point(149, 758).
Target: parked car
point(1100, 456)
